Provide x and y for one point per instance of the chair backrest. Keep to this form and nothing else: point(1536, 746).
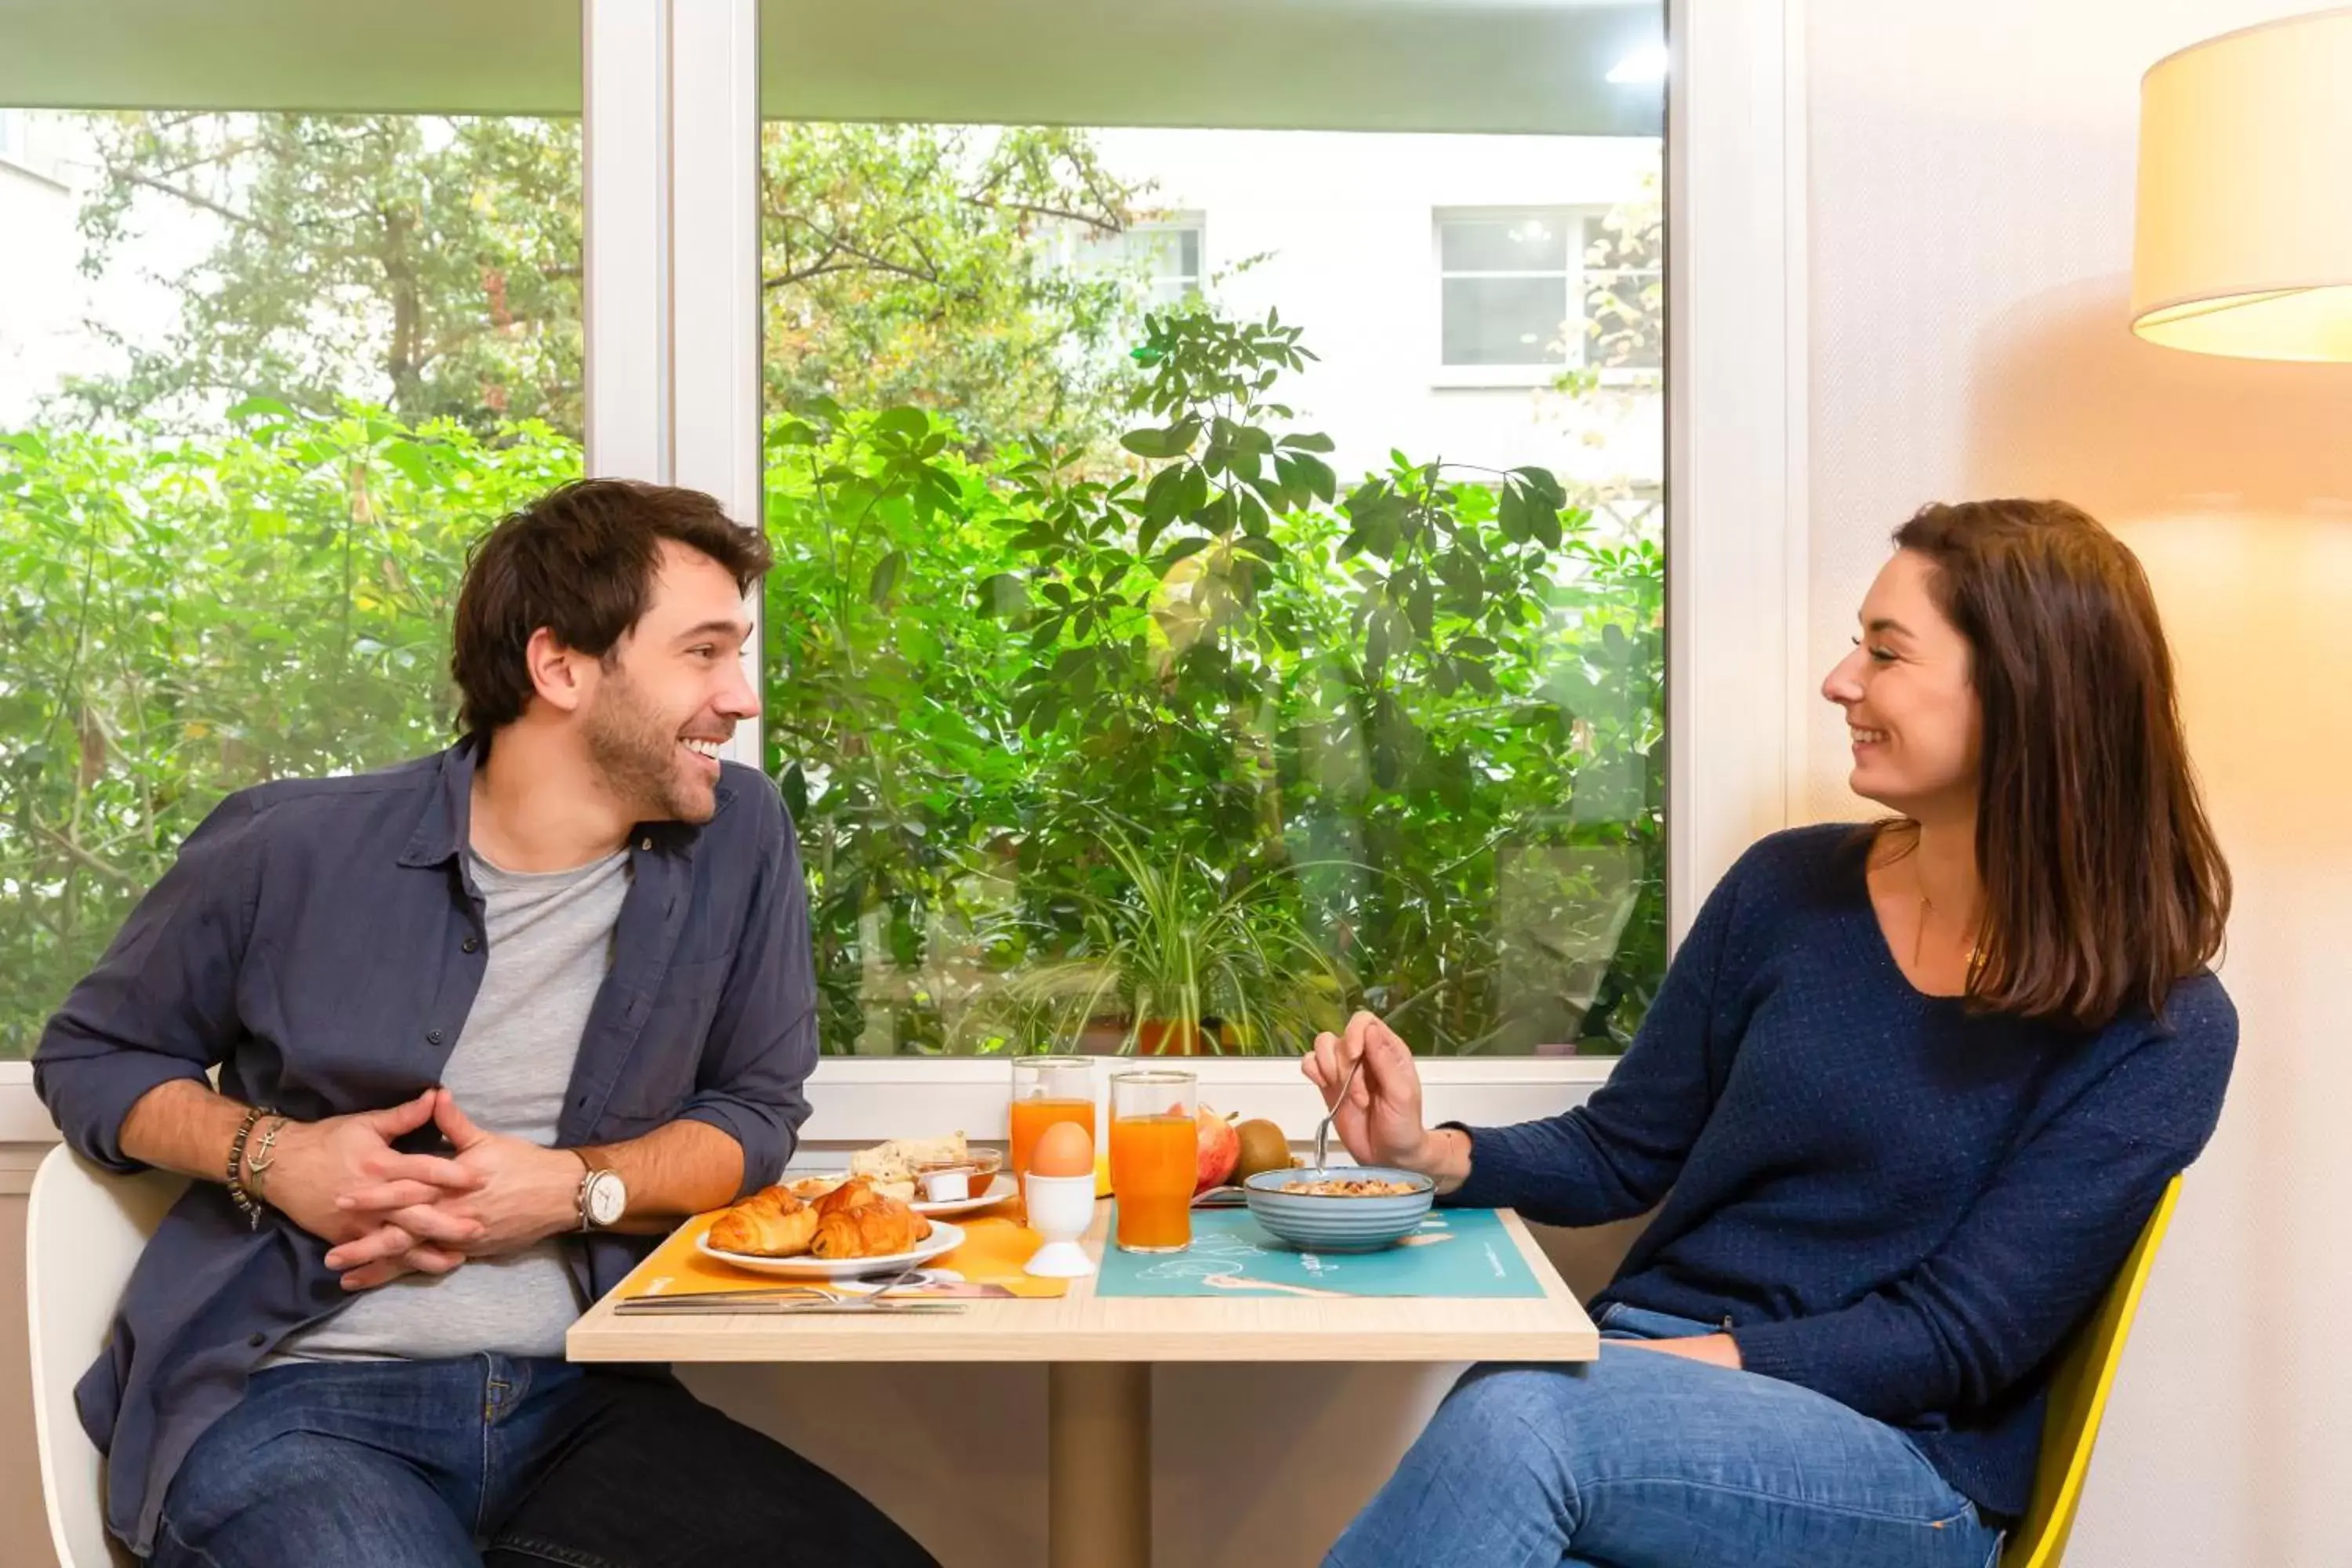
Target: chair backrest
point(83, 1231)
point(2078, 1400)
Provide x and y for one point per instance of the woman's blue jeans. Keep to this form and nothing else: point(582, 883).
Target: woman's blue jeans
point(1644, 1460)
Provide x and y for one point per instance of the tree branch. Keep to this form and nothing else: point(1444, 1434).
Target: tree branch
point(1094, 221)
point(134, 176)
point(89, 861)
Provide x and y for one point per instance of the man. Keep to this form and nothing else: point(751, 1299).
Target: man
point(485, 1024)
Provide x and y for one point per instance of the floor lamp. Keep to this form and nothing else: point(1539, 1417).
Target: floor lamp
point(2243, 239)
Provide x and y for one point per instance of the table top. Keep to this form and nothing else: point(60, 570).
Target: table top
point(1084, 1326)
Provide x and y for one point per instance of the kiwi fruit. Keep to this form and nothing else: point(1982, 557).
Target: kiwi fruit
point(1264, 1148)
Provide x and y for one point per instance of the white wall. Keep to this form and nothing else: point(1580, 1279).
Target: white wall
point(1343, 222)
point(1972, 168)
point(38, 250)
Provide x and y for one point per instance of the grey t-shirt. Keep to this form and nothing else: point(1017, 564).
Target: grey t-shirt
point(551, 942)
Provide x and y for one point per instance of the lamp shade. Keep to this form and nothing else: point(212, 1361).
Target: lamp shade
point(2243, 243)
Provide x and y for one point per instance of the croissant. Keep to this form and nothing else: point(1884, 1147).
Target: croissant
point(878, 1229)
point(771, 1223)
point(852, 1194)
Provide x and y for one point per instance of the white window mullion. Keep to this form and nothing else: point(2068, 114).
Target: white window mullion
point(1735, 532)
point(625, 233)
point(714, 272)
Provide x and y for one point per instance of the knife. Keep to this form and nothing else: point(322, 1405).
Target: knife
point(703, 1305)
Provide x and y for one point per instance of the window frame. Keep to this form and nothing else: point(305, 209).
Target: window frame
point(1572, 216)
point(1194, 221)
point(671, 318)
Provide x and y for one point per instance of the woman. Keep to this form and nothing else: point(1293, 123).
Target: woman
point(1904, 1102)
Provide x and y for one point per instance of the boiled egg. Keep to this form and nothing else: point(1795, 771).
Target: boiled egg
point(1065, 1149)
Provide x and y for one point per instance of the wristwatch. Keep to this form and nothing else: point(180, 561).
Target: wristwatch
point(603, 1199)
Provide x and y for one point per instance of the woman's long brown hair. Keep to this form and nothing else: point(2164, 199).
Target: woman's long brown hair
point(2103, 883)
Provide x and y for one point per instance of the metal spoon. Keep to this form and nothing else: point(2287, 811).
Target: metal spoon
point(1323, 1127)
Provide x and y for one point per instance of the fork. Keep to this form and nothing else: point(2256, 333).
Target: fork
point(787, 1298)
point(1323, 1127)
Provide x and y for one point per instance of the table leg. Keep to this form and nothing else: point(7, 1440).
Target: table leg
point(1098, 1464)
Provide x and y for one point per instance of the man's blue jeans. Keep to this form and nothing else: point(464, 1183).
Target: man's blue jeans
point(451, 1464)
point(1643, 1460)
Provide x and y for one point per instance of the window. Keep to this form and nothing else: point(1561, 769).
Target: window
point(1548, 74)
point(1227, 645)
point(264, 377)
point(1163, 255)
point(1548, 289)
point(1507, 282)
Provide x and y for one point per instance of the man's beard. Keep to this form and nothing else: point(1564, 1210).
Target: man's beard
point(635, 754)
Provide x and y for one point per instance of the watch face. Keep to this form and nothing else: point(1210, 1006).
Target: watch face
point(607, 1198)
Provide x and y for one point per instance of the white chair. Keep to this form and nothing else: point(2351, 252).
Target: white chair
point(83, 1230)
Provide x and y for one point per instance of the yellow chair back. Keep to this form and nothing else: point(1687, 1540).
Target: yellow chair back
point(2078, 1399)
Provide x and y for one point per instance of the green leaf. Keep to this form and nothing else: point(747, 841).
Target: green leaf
point(1308, 442)
point(1194, 492)
point(251, 407)
point(1002, 596)
point(887, 573)
point(1514, 514)
point(1164, 499)
point(1182, 550)
point(1316, 474)
point(1173, 441)
point(905, 424)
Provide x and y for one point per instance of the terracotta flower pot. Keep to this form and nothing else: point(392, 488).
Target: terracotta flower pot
point(1167, 1037)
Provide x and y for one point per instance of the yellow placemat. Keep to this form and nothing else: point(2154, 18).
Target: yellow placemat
point(990, 1260)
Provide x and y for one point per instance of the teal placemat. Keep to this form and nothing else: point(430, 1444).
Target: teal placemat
point(1457, 1253)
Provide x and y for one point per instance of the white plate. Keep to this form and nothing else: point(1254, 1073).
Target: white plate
point(999, 1188)
point(944, 1239)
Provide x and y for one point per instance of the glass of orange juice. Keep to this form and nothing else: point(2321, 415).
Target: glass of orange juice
point(1047, 1089)
point(1154, 1158)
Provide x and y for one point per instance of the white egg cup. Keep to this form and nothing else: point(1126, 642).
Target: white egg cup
point(1060, 1209)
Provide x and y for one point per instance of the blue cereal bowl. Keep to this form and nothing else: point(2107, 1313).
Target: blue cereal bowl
point(1320, 1221)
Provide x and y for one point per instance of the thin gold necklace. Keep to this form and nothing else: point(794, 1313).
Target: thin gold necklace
point(1919, 937)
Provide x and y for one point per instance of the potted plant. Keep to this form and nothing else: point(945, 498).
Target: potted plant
point(1174, 961)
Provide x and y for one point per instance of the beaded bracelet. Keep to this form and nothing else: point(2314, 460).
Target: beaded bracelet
point(251, 1210)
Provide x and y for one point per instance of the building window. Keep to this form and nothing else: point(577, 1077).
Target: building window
point(1507, 283)
point(1549, 288)
point(1163, 256)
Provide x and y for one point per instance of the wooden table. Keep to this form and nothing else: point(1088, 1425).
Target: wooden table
point(1100, 1350)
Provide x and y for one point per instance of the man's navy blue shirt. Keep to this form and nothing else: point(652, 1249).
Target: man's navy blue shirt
point(319, 943)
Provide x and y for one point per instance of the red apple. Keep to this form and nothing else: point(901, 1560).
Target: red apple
point(1220, 1149)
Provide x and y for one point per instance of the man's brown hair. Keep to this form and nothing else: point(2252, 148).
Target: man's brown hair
point(579, 560)
point(2104, 884)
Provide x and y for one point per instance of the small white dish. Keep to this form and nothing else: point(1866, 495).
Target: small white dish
point(944, 1239)
point(999, 1189)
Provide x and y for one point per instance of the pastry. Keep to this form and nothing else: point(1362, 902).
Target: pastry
point(879, 1229)
point(771, 1223)
point(852, 1194)
point(889, 1164)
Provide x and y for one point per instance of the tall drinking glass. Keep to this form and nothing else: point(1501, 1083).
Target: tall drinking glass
point(1047, 1089)
point(1154, 1157)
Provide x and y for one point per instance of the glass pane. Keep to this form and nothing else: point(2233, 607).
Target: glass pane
point(1534, 242)
point(1625, 291)
point(263, 378)
point(1505, 320)
point(1113, 644)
